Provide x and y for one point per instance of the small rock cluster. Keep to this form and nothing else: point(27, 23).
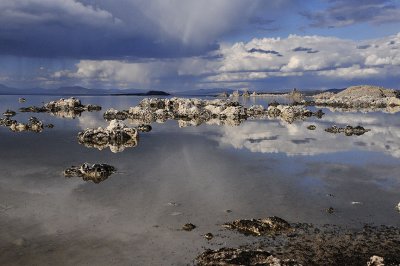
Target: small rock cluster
point(258, 227)
point(290, 113)
point(117, 136)
point(236, 256)
point(34, 125)
point(96, 172)
point(66, 108)
point(347, 130)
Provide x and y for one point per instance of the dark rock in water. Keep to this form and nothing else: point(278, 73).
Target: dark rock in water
point(96, 172)
point(330, 210)
point(34, 125)
point(9, 113)
point(33, 109)
point(311, 127)
point(188, 227)
point(208, 236)
point(258, 227)
point(117, 136)
point(234, 256)
point(274, 104)
point(22, 100)
point(49, 126)
point(144, 128)
point(348, 130)
point(7, 122)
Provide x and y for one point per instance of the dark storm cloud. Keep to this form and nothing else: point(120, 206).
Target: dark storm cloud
point(342, 13)
point(262, 51)
point(304, 49)
point(95, 29)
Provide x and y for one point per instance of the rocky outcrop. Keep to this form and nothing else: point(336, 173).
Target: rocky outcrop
point(347, 130)
point(66, 108)
point(398, 207)
point(117, 136)
point(376, 261)
point(258, 227)
point(34, 125)
point(9, 113)
point(193, 112)
point(236, 256)
point(359, 97)
point(290, 113)
point(112, 114)
point(95, 173)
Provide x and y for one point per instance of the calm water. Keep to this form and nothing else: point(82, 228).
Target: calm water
point(258, 169)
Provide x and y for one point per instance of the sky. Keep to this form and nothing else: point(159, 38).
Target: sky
point(177, 45)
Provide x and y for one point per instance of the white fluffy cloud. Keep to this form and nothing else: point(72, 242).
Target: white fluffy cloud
point(259, 59)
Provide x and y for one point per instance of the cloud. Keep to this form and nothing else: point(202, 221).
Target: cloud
point(341, 13)
point(105, 29)
point(254, 61)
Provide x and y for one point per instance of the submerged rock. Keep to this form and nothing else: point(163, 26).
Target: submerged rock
point(144, 128)
point(258, 227)
point(9, 113)
point(188, 227)
point(311, 127)
point(236, 256)
point(208, 236)
point(117, 136)
point(96, 172)
point(348, 130)
point(21, 100)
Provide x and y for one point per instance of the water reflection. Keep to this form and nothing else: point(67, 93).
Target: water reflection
point(257, 169)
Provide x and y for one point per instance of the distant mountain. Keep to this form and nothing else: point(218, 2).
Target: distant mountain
point(75, 91)
point(203, 92)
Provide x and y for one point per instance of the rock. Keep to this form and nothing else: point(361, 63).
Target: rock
point(144, 128)
point(398, 207)
point(311, 127)
point(188, 227)
point(112, 114)
point(22, 100)
point(246, 94)
point(235, 94)
point(258, 227)
point(66, 108)
point(359, 97)
point(348, 130)
point(9, 113)
point(290, 113)
point(330, 210)
point(208, 236)
point(34, 125)
point(117, 136)
point(96, 172)
point(236, 256)
point(376, 261)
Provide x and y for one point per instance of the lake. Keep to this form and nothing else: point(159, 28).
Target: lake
point(205, 175)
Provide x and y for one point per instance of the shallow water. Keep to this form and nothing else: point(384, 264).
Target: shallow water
point(258, 169)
